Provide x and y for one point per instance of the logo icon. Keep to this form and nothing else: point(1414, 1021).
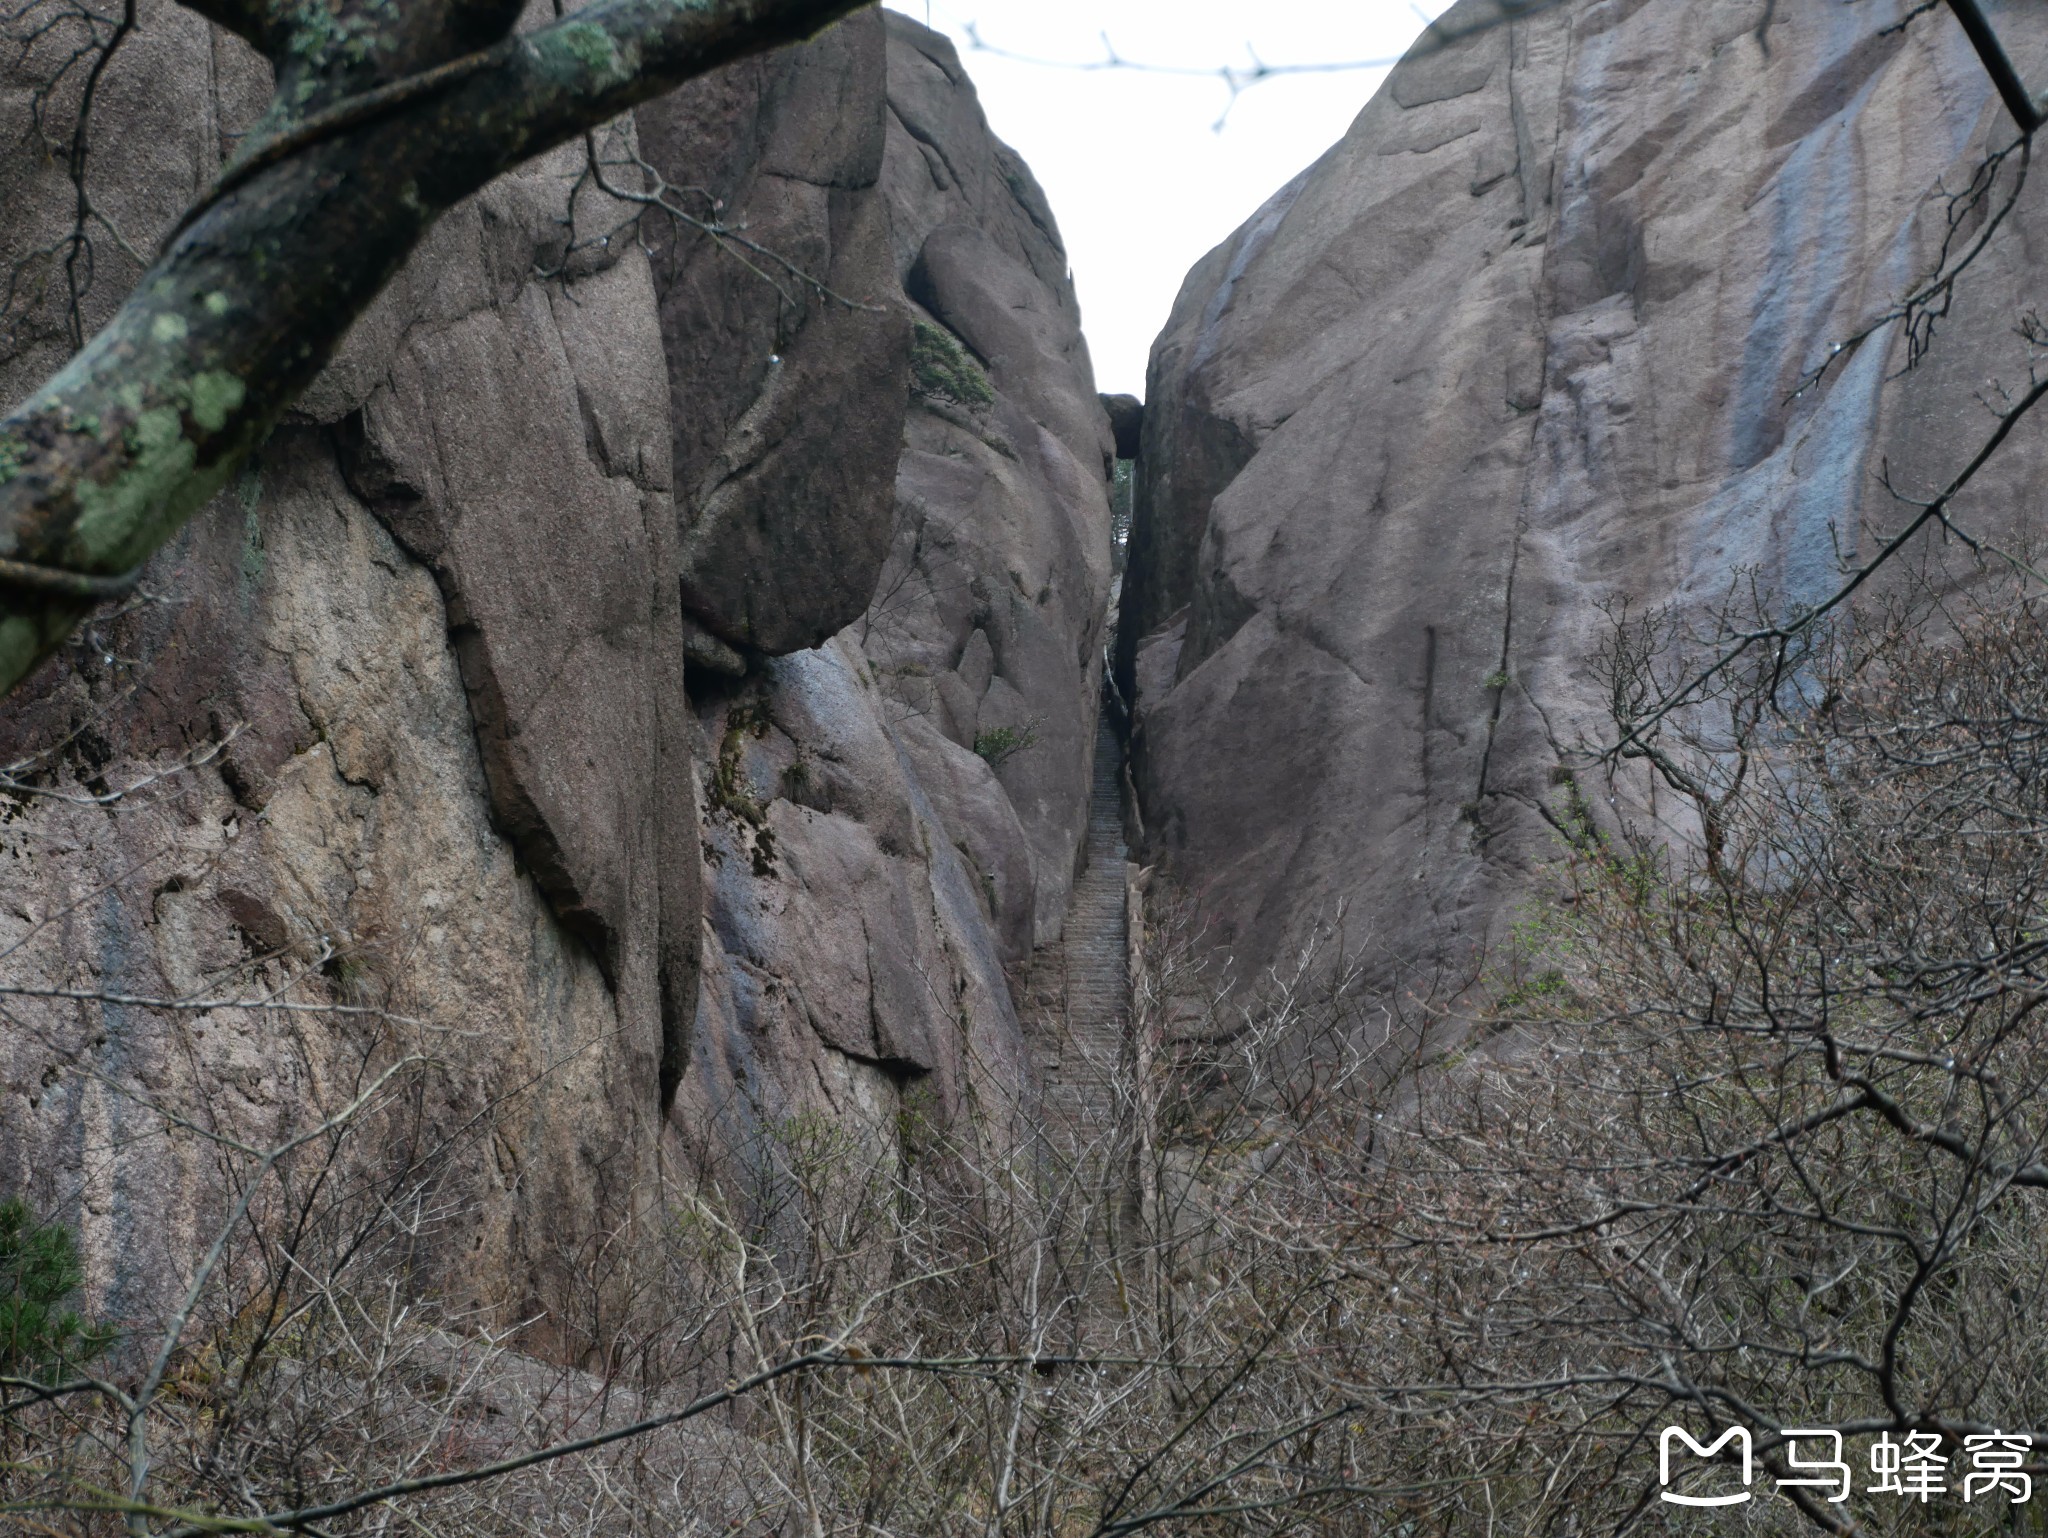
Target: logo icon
point(1736, 1434)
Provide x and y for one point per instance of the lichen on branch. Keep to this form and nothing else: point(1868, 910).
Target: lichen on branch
point(348, 170)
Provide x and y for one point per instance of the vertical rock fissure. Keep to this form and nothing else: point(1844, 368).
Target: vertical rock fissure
point(1428, 721)
point(1503, 677)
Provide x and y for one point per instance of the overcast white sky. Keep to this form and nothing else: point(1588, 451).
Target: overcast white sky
point(1141, 183)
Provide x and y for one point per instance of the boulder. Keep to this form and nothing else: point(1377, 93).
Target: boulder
point(787, 344)
point(407, 719)
point(893, 820)
point(589, 691)
point(1126, 423)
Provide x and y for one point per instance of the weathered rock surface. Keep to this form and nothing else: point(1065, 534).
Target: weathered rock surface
point(1526, 340)
point(788, 401)
point(425, 662)
point(852, 968)
point(1126, 423)
point(416, 689)
point(1001, 571)
point(894, 820)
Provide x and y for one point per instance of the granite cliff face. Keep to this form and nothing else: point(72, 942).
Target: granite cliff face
point(871, 875)
point(651, 683)
point(1527, 340)
point(583, 691)
point(426, 660)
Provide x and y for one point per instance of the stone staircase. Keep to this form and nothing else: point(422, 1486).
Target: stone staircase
point(1078, 991)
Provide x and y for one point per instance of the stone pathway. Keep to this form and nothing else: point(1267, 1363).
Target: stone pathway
point(1078, 994)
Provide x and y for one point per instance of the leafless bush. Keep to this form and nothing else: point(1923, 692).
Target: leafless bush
point(925, 1335)
point(933, 1333)
point(1748, 1133)
point(1756, 1135)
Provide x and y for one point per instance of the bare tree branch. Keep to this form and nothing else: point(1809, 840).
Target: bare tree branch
point(250, 299)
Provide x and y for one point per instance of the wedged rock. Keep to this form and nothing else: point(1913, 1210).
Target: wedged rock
point(1529, 339)
point(893, 820)
point(1126, 423)
point(788, 403)
point(704, 652)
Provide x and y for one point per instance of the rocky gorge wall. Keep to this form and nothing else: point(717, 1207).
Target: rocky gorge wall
point(874, 882)
point(649, 687)
point(579, 699)
point(1527, 341)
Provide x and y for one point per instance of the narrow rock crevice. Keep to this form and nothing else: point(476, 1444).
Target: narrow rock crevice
point(1428, 721)
point(1502, 680)
point(1078, 990)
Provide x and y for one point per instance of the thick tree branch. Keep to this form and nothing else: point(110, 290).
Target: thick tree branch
point(1997, 64)
point(247, 19)
point(250, 300)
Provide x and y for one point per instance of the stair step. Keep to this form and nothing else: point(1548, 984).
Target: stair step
point(1079, 983)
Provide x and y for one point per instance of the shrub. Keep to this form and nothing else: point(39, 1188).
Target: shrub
point(1750, 1131)
point(941, 369)
point(40, 1337)
point(1000, 744)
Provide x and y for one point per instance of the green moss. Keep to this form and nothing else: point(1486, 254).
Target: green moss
point(216, 396)
point(112, 518)
point(158, 430)
point(941, 369)
point(592, 47)
point(120, 524)
point(320, 37)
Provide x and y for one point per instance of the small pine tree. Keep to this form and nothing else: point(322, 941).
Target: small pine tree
point(40, 1337)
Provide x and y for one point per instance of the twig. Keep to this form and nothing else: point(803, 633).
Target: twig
point(1238, 79)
